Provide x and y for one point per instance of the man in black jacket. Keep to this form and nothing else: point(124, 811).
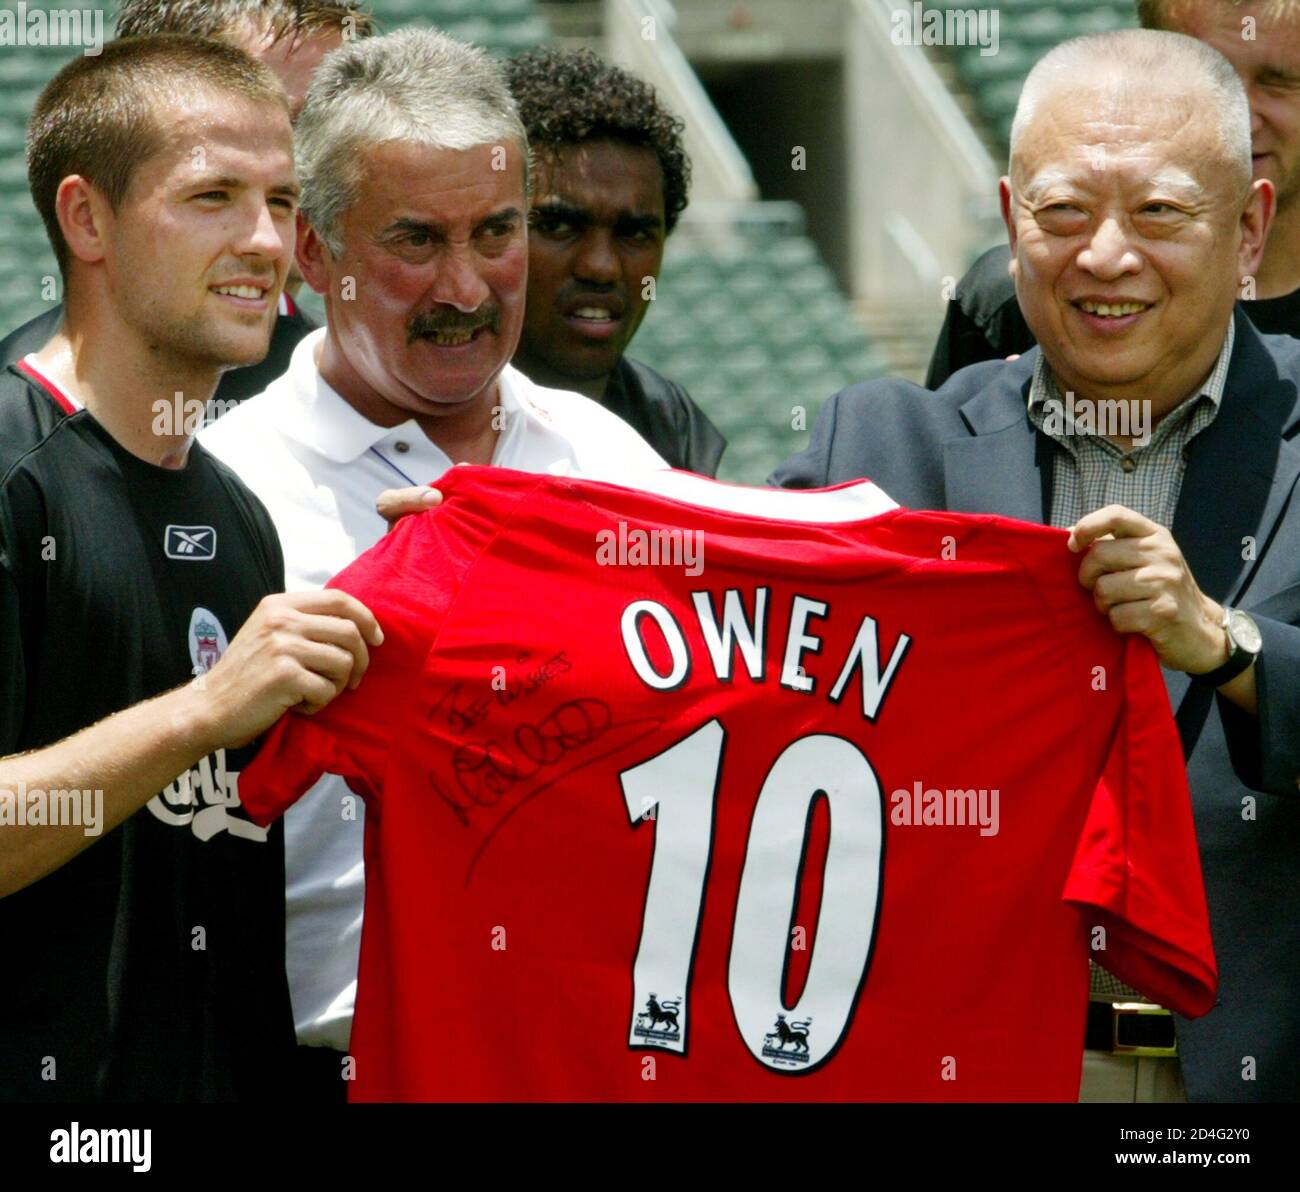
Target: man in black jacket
point(612, 179)
point(1132, 216)
point(983, 321)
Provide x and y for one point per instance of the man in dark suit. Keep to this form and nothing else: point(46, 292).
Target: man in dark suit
point(983, 320)
point(1160, 426)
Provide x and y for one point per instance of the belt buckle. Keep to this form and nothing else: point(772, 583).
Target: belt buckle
point(1126, 1020)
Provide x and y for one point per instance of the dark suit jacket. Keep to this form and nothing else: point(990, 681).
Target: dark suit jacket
point(970, 447)
point(236, 384)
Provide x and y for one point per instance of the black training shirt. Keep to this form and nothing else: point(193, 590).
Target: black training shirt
point(151, 966)
point(665, 416)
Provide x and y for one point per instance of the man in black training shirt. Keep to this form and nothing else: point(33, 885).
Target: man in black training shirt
point(289, 36)
point(983, 320)
point(141, 911)
point(612, 180)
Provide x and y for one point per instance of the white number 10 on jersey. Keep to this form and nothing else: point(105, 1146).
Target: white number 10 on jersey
point(678, 789)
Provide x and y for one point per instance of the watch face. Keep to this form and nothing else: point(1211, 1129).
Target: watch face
point(1245, 632)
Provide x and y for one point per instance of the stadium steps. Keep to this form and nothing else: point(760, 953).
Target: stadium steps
point(968, 102)
point(505, 27)
point(750, 320)
point(1027, 29)
point(903, 334)
point(575, 23)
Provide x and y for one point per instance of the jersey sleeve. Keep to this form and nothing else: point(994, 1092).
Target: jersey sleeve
point(408, 580)
point(294, 754)
point(1136, 871)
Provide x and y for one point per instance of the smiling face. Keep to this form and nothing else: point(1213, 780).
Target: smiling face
point(426, 300)
point(1269, 66)
point(1130, 232)
point(596, 233)
point(197, 252)
point(293, 60)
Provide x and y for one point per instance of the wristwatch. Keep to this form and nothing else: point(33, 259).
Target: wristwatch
point(1244, 646)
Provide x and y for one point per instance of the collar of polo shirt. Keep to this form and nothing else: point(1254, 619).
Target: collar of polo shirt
point(320, 418)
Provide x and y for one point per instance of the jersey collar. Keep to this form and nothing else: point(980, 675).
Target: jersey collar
point(64, 400)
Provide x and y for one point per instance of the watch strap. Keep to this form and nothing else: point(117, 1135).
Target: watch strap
point(1239, 659)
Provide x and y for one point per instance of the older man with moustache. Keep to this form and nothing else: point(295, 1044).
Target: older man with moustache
point(1261, 38)
point(413, 164)
point(1132, 218)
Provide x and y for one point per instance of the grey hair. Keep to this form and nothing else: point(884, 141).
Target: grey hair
point(1146, 54)
point(415, 85)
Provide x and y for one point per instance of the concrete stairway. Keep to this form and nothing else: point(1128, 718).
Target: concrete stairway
point(903, 334)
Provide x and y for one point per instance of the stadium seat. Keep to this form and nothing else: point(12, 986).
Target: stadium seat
point(774, 331)
point(1027, 29)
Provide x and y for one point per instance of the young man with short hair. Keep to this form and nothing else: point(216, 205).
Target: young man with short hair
point(143, 647)
point(289, 36)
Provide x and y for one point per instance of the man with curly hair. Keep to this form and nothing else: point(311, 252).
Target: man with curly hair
point(611, 181)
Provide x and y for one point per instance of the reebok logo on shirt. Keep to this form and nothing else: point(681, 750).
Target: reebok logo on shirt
point(191, 542)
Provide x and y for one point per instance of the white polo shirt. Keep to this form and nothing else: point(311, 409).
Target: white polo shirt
point(318, 466)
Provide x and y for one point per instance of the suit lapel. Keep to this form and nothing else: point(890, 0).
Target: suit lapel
point(1240, 472)
point(1004, 467)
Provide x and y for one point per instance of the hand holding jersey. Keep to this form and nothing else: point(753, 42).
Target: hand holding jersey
point(1140, 579)
point(568, 727)
point(393, 504)
point(295, 653)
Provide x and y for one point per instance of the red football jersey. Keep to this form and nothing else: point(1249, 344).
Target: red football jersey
point(774, 801)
